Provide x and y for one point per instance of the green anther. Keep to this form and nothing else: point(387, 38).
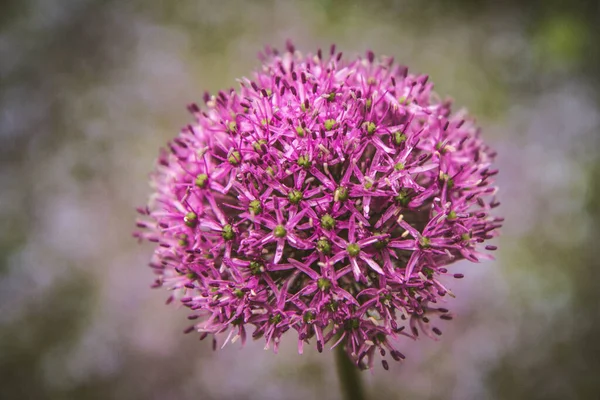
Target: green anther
point(308, 316)
point(263, 121)
point(304, 162)
point(399, 166)
point(232, 126)
point(270, 171)
point(369, 103)
point(269, 92)
point(279, 231)
point(425, 242)
point(370, 127)
point(238, 293)
point(466, 237)
point(300, 131)
point(295, 196)
point(327, 222)
point(228, 233)
point(234, 158)
point(340, 194)
point(399, 138)
point(258, 144)
point(331, 96)
point(255, 207)
point(191, 219)
point(329, 124)
point(303, 107)
point(452, 215)
point(275, 319)
point(323, 284)
point(324, 246)
point(368, 185)
point(353, 249)
point(351, 324)
point(201, 181)
point(380, 338)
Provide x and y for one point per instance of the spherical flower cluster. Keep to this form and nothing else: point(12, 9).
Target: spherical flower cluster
point(325, 197)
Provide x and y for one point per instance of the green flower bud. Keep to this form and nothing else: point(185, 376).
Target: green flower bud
point(255, 207)
point(329, 124)
point(201, 180)
point(295, 196)
point(228, 233)
point(324, 246)
point(399, 138)
point(304, 162)
point(323, 284)
point(353, 249)
point(279, 231)
point(234, 158)
point(327, 222)
point(340, 194)
point(191, 219)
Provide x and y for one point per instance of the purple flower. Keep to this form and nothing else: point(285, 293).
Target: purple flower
point(324, 196)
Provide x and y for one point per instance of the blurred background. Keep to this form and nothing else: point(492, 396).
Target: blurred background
point(90, 89)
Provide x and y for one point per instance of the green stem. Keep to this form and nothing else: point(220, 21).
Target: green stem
point(349, 376)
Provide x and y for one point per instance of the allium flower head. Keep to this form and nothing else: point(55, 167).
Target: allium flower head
point(326, 197)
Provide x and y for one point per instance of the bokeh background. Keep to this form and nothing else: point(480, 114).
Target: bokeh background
point(90, 89)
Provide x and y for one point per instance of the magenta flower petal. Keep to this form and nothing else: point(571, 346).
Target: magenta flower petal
point(371, 263)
